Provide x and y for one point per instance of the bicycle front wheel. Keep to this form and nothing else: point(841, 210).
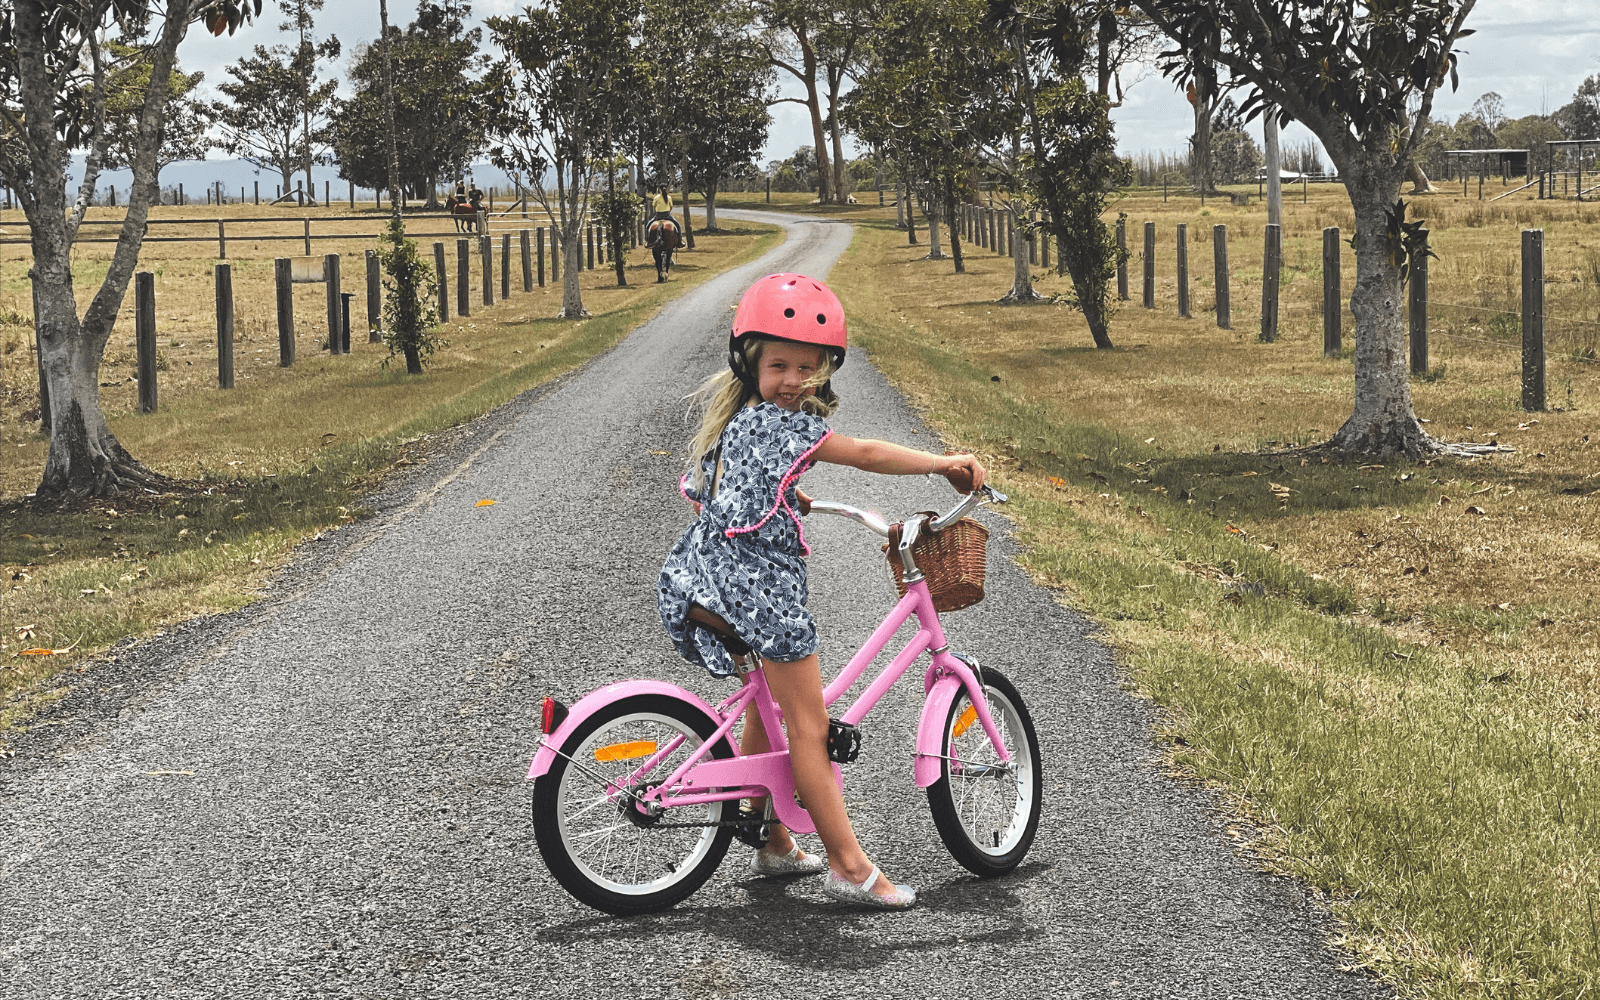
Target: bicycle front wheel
point(987, 812)
point(597, 843)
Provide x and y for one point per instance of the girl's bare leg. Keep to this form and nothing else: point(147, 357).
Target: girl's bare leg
point(797, 687)
point(754, 740)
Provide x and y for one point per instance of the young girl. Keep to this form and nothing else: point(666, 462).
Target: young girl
point(744, 556)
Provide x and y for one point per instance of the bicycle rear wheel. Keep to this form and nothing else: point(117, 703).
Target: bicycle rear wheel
point(603, 850)
point(986, 812)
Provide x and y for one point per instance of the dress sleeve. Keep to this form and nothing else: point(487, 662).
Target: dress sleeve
point(795, 438)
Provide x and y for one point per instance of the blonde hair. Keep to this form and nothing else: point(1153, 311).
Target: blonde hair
point(722, 395)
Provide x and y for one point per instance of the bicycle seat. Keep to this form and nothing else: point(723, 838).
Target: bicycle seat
point(704, 618)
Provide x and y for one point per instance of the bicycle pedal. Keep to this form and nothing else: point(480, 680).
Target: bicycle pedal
point(844, 742)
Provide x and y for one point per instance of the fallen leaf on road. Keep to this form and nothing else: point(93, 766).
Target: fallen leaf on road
point(484, 503)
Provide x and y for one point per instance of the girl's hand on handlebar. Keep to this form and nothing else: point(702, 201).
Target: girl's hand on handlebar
point(964, 472)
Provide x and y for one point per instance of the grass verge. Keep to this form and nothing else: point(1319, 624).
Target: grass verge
point(287, 454)
point(1389, 668)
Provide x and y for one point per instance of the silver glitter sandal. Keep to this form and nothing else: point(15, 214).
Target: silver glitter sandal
point(846, 891)
point(767, 863)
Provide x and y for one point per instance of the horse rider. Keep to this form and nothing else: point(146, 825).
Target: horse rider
point(661, 204)
point(475, 197)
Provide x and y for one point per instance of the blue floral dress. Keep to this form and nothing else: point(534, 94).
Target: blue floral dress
point(744, 557)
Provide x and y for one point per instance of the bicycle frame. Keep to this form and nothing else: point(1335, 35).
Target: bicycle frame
point(699, 780)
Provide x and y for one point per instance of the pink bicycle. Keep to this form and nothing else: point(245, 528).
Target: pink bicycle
point(637, 786)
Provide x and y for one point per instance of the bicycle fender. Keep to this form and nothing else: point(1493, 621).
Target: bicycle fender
point(930, 731)
point(598, 699)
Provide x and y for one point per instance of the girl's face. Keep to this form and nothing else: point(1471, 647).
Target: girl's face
point(784, 369)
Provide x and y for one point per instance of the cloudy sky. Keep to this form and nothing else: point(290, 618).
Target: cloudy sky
point(1534, 53)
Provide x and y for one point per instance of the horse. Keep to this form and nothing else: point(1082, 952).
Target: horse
point(463, 212)
point(662, 238)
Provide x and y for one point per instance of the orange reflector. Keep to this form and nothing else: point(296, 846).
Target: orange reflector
point(965, 720)
point(625, 751)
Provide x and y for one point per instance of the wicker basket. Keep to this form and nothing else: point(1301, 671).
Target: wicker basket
point(952, 560)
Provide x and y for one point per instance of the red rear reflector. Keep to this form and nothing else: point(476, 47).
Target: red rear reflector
point(551, 714)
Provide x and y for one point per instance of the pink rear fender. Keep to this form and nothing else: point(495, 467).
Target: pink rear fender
point(594, 701)
point(930, 731)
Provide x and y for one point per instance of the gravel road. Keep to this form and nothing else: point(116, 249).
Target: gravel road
point(323, 794)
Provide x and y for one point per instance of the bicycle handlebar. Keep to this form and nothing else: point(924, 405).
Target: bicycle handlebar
point(875, 521)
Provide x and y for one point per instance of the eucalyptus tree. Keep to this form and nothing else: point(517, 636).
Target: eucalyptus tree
point(706, 94)
point(926, 95)
point(1361, 75)
point(817, 42)
point(56, 74)
point(314, 97)
point(183, 134)
point(568, 72)
point(1067, 164)
point(264, 114)
point(436, 64)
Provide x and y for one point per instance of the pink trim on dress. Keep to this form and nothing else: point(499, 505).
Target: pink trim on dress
point(798, 469)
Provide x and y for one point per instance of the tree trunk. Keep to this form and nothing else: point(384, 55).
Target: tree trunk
point(84, 457)
point(931, 209)
point(951, 222)
point(711, 203)
point(619, 262)
point(1382, 421)
point(688, 219)
point(808, 63)
point(840, 195)
point(1021, 272)
point(571, 267)
point(432, 204)
point(1204, 90)
point(1419, 180)
point(1269, 135)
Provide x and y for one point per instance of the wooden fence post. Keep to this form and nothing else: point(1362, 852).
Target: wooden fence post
point(505, 264)
point(1271, 269)
point(1043, 237)
point(538, 242)
point(222, 241)
point(1183, 269)
point(375, 299)
point(308, 236)
point(1149, 265)
point(1033, 244)
point(258, 192)
point(527, 261)
point(1332, 294)
point(444, 282)
point(224, 282)
point(1419, 310)
point(1532, 320)
point(463, 277)
point(1122, 260)
point(486, 260)
point(1219, 243)
point(555, 254)
point(330, 277)
point(588, 239)
point(144, 337)
point(283, 274)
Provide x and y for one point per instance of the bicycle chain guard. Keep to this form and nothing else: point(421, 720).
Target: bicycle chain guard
point(844, 742)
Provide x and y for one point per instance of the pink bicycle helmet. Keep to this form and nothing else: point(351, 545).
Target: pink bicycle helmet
point(790, 307)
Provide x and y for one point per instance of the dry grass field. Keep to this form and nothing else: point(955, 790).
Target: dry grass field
point(1390, 668)
point(284, 455)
